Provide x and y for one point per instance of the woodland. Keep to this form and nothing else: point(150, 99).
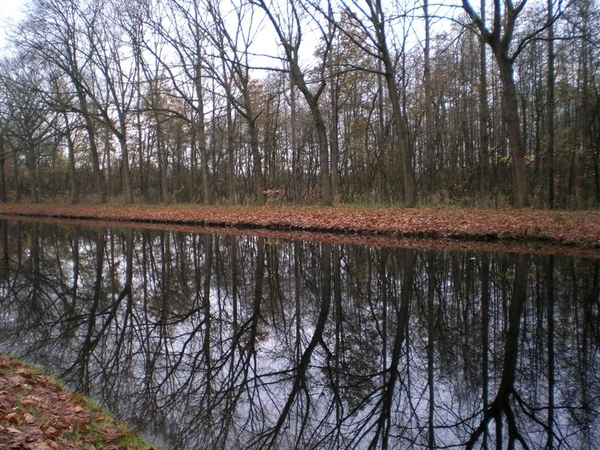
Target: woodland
point(487, 103)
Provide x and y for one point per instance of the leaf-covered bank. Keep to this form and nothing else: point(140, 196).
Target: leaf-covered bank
point(580, 229)
point(36, 413)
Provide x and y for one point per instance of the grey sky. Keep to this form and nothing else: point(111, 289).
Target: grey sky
point(10, 11)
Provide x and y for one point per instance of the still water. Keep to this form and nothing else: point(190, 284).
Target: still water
point(205, 341)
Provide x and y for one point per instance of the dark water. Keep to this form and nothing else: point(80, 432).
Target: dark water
point(226, 342)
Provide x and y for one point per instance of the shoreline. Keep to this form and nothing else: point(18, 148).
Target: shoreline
point(537, 230)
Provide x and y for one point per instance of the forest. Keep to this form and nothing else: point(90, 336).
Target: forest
point(458, 102)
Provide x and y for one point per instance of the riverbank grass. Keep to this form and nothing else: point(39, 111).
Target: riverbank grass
point(38, 413)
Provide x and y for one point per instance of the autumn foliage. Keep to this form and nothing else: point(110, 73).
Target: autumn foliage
point(569, 229)
point(38, 414)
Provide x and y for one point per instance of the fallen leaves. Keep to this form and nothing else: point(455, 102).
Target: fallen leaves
point(569, 229)
point(37, 414)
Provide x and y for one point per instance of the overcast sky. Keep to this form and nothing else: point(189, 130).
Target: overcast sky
point(10, 11)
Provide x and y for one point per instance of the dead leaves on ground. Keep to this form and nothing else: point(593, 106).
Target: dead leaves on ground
point(37, 414)
point(579, 229)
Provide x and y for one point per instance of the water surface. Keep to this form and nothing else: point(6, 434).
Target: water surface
point(205, 341)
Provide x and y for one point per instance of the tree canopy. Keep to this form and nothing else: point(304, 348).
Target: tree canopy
point(303, 101)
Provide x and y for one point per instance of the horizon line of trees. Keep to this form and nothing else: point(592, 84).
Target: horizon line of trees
point(303, 101)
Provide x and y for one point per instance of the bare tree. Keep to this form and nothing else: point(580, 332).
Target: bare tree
point(115, 89)
point(57, 31)
point(429, 147)
point(31, 122)
point(500, 36)
point(484, 113)
point(185, 64)
point(550, 109)
point(233, 49)
point(288, 26)
point(374, 24)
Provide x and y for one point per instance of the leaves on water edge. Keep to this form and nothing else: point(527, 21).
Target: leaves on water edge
point(37, 414)
point(567, 228)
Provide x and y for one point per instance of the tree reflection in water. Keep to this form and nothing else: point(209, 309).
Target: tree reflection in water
point(219, 341)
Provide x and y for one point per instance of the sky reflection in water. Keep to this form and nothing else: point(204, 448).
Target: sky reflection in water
point(218, 341)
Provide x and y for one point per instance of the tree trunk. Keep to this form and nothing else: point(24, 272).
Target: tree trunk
point(294, 144)
point(484, 114)
point(429, 150)
point(3, 196)
point(402, 144)
point(257, 171)
point(125, 171)
point(230, 156)
point(550, 113)
point(312, 98)
point(91, 131)
point(402, 141)
point(510, 114)
point(333, 135)
point(162, 156)
point(32, 166)
point(259, 181)
point(71, 156)
point(17, 182)
point(201, 136)
point(499, 38)
point(320, 129)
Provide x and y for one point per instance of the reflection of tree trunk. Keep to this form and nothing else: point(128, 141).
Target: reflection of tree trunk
point(339, 344)
point(551, 379)
point(234, 293)
point(385, 300)
point(127, 316)
point(75, 268)
point(402, 313)
point(501, 405)
point(89, 343)
point(586, 327)
point(92, 339)
point(126, 292)
point(35, 259)
point(485, 333)
point(258, 290)
point(431, 285)
point(297, 298)
point(208, 249)
point(302, 368)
